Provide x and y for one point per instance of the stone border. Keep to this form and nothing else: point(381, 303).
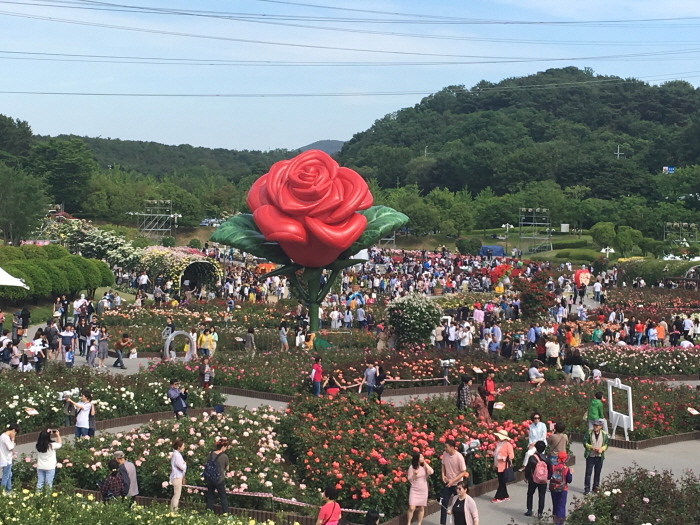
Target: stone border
point(474, 491)
point(614, 375)
point(646, 443)
point(267, 396)
point(104, 424)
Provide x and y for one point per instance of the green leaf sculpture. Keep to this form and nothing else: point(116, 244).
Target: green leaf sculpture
point(381, 220)
point(241, 232)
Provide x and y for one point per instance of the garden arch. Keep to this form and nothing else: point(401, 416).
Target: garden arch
point(171, 337)
point(201, 273)
point(692, 272)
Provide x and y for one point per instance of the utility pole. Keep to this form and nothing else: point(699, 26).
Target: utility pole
point(618, 154)
point(425, 152)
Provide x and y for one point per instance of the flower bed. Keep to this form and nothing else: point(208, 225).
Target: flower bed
point(639, 496)
point(366, 447)
point(256, 456)
point(644, 360)
point(659, 410)
point(29, 508)
point(114, 395)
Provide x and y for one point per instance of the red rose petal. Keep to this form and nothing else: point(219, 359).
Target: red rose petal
point(340, 235)
point(277, 226)
point(257, 195)
point(355, 192)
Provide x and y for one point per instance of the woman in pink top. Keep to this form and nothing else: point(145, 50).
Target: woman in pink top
point(418, 474)
point(330, 512)
point(502, 458)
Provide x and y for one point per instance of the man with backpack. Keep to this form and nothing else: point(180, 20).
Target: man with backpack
point(537, 472)
point(214, 475)
point(559, 487)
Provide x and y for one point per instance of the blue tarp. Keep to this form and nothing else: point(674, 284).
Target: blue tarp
point(496, 251)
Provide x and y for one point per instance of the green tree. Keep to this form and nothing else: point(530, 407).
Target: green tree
point(463, 217)
point(15, 140)
point(67, 166)
point(23, 203)
point(448, 228)
point(484, 204)
point(603, 233)
point(626, 239)
point(422, 218)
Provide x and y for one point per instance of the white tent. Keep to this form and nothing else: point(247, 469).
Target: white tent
point(7, 280)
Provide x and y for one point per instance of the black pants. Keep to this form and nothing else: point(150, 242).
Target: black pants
point(221, 489)
point(490, 407)
point(531, 488)
point(592, 464)
point(445, 495)
point(502, 492)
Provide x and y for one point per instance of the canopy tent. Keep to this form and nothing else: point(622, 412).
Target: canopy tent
point(496, 251)
point(7, 280)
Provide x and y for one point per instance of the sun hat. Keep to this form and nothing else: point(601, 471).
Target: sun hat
point(502, 435)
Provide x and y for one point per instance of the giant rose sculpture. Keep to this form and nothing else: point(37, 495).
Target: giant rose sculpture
point(309, 214)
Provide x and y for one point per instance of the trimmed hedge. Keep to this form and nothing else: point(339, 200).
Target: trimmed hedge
point(10, 253)
point(652, 270)
point(39, 281)
point(16, 293)
point(59, 281)
point(468, 246)
point(92, 275)
point(569, 244)
point(76, 281)
point(55, 251)
point(106, 275)
point(32, 251)
point(581, 255)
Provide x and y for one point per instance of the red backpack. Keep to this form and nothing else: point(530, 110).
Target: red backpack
point(558, 481)
point(541, 472)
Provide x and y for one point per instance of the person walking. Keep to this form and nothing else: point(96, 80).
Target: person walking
point(596, 411)
point(46, 462)
point(102, 347)
point(479, 404)
point(559, 487)
point(249, 344)
point(418, 474)
point(537, 473)
point(329, 513)
point(369, 378)
point(454, 470)
point(205, 342)
point(464, 395)
point(463, 509)
point(219, 459)
point(595, 443)
point(7, 455)
point(178, 398)
point(128, 472)
point(113, 486)
point(178, 467)
point(502, 459)
point(380, 382)
point(490, 389)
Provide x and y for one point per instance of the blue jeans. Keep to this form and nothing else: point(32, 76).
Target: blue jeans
point(317, 388)
point(596, 297)
point(119, 361)
point(370, 389)
point(7, 478)
point(45, 477)
point(81, 432)
point(639, 338)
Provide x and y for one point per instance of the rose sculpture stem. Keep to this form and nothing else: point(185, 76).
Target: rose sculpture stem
point(309, 214)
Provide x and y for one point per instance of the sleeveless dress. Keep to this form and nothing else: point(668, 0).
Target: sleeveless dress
point(418, 495)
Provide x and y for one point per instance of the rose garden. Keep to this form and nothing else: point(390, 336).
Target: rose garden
point(311, 218)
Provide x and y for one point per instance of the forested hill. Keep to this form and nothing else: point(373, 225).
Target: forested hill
point(562, 125)
point(159, 160)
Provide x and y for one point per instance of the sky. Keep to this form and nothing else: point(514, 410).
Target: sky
point(380, 55)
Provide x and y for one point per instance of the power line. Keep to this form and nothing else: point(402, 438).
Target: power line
point(334, 48)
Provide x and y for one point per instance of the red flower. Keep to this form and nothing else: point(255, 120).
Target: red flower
point(308, 204)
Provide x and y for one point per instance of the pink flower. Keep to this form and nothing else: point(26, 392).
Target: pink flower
point(165, 484)
point(137, 463)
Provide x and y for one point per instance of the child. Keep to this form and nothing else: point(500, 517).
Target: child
point(92, 353)
point(69, 356)
point(25, 366)
point(597, 376)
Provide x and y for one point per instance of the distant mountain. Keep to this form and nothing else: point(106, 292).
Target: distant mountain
point(329, 146)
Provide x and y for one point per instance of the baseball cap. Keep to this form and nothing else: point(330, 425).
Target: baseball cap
point(599, 422)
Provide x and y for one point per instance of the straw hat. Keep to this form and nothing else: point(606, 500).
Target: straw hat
point(502, 435)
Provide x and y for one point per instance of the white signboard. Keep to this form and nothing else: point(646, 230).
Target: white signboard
point(626, 421)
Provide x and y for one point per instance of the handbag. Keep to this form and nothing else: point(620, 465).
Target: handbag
point(508, 474)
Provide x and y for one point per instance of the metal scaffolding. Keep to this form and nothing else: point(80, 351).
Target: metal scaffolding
point(535, 226)
point(681, 233)
point(156, 219)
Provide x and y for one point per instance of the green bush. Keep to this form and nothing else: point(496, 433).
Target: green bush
point(91, 274)
point(468, 246)
point(106, 275)
point(41, 283)
point(16, 293)
point(168, 242)
point(581, 255)
point(10, 253)
point(55, 251)
point(76, 280)
point(195, 243)
point(652, 270)
point(32, 251)
point(59, 282)
point(561, 245)
point(141, 242)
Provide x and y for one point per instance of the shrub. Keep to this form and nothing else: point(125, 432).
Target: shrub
point(561, 245)
point(195, 243)
point(141, 242)
point(168, 242)
point(16, 293)
point(91, 274)
point(580, 255)
point(10, 253)
point(41, 283)
point(652, 270)
point(57, 276)
point(468, 246)
point(32, 251)
point(414, 317)
point(76, 280)
point(55, 251)
point(106, 275)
